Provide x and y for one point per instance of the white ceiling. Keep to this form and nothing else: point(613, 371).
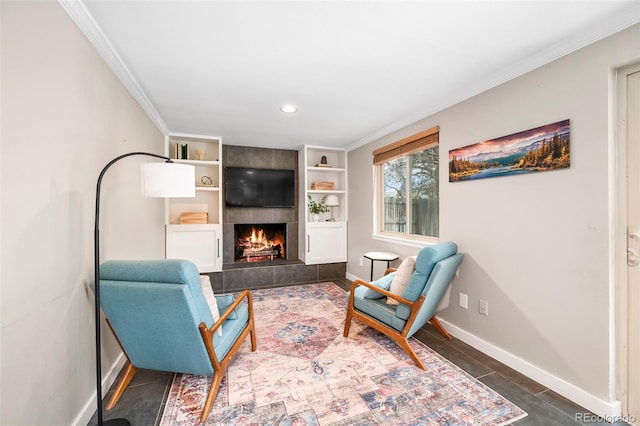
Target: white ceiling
point(357, 70)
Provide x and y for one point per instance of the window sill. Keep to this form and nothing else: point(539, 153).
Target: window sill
point(405, 241)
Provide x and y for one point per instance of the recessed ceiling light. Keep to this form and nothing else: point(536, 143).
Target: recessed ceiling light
point(288, 108)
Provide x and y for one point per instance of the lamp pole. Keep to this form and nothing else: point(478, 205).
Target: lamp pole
point(96, 270)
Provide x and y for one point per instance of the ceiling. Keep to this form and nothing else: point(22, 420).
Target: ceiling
point(356, 70)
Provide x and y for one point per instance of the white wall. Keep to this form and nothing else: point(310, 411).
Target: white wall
point(64, 116)
point(536, 246)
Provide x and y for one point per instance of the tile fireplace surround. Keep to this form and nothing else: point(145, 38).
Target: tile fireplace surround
point(253, 275)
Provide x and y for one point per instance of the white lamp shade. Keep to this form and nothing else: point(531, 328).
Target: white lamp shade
point(168, 180)
point(332, 201)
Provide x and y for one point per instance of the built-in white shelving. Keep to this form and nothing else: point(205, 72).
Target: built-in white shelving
point(323, 241)
point(202, 242)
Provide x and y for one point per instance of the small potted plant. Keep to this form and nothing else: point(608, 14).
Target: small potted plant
point(317, 207)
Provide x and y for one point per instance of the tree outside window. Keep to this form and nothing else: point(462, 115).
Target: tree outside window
point(410, 194)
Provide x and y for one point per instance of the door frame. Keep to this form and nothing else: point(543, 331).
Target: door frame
point(618, 250)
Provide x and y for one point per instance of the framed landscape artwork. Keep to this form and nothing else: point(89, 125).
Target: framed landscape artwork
point(536, 150)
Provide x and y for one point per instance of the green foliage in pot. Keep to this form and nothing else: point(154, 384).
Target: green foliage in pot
point(317, 207)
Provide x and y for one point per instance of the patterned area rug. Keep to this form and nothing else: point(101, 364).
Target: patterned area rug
point(305, 373)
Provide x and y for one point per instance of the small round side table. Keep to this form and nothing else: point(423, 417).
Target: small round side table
point(374, 256)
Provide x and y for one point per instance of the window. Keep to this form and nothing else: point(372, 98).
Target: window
point(407, 186)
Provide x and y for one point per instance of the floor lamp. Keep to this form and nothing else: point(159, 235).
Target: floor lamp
point(168, 180)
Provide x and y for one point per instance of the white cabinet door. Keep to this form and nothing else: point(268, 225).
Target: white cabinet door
point(326, 242)
point(201, 244)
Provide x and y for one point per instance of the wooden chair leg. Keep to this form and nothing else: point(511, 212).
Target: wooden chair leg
point(434, 322)
point(216, 380)
point(252, 323)
point(129, 372)
point(404, 344)
point(347, 323)
point(252, 335)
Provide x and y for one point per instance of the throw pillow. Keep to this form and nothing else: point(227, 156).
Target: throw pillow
point(382, 283)
point(224, 301)
point(207, 291)
point(401, 280)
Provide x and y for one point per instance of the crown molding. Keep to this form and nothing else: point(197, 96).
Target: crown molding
point(605, 28)
point(83, 19)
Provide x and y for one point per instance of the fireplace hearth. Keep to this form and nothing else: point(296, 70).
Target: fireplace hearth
point(259, 242)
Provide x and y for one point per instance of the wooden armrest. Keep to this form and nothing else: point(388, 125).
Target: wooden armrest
point(381, 291)
point(390, 270)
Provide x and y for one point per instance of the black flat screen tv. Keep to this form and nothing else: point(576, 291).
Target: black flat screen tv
point(247, 187)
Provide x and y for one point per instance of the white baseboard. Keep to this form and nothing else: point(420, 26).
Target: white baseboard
point(602, 408)
point(352, 277)
point(90, 406)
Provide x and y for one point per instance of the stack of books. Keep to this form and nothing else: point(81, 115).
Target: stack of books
point(181, 151)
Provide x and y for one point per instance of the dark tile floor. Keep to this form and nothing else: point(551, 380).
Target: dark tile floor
point(144, 399)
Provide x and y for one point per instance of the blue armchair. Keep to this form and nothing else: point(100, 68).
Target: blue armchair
point(436, 266)
point(162, 321)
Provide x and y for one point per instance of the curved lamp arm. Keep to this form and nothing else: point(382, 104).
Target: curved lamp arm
point(109, 164)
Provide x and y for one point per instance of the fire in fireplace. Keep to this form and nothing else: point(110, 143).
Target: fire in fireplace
point(259, 242)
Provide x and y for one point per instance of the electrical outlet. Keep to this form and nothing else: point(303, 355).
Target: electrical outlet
point(361, 262)
point(483, 307)
point(463, 300)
